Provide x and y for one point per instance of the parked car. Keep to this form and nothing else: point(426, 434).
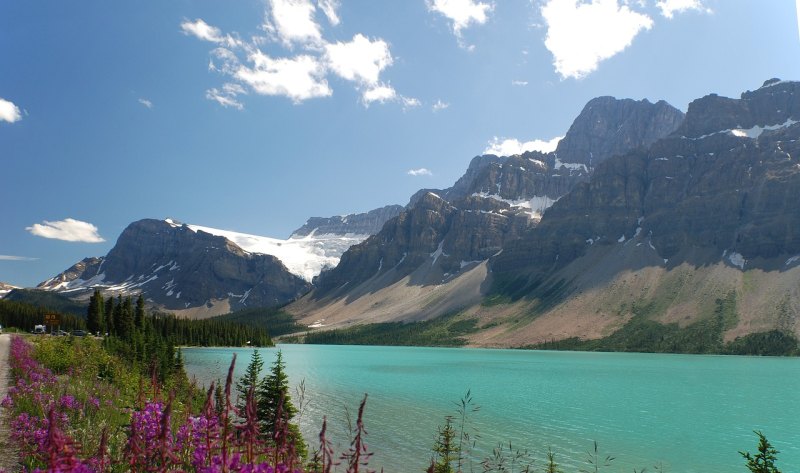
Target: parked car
point(39, 329)
point(79, 333)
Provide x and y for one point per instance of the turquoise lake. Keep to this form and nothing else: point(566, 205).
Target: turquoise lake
point(692, 413)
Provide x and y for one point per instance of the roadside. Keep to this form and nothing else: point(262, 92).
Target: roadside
point(8, 456)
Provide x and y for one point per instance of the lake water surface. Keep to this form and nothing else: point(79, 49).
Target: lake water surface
point(692, 413)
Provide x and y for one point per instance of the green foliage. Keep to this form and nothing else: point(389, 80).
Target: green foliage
point(250, 380)
point(445, 448)
point(138, 318)
point(24, 316)
point(95, 318)
point(275, 408)
point(274, 320)
point(764, 460)
point(552, 466)
point(446, 331)
point(51, 301)
point(772, 343)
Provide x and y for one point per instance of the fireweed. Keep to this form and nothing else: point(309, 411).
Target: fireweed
point(50, 417)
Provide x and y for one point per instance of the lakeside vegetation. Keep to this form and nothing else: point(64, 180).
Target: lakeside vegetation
point(76, 407)
point(446, 331)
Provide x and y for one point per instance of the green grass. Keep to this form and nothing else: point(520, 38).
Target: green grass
point(446, 331)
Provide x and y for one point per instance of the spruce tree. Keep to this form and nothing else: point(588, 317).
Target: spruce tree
point(273, 399)
point(94, 314)
point(109, 315)
point(126, 325)
point(445, 449)
point(764, 460)
point(250, 378)
point(139, 315)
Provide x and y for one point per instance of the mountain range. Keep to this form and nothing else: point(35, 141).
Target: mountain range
point(641, 213)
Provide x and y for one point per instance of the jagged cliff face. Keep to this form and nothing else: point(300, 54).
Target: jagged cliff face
point(668, 231)
point(368, 223)
point(726, 181)
point(178, 268)
point(497, 199)
point(607, 127)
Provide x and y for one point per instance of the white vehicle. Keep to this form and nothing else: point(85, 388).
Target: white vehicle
point(39, 329)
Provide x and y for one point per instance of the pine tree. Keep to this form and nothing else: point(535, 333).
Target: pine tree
point(94, 315)
point(109, 315)
point(273, 399)
point(250, 378)
point(139, 315)
point(445, 449)
point(764, 460)
point(124, 324)
point(118, 316)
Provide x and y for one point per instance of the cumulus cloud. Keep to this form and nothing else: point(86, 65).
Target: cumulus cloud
point(670, 7)
point(379, 93)
point(581, 35)
point(9, 112)
point(299, 78)
point(68, 230)
point(463, 13)
point(329, 8)
point(202, 30)
point(292, 21)
point(16, 258)
point(419, 172)
point(359, 60)
point(512, 146)
point(439, 105)
point(145, 102)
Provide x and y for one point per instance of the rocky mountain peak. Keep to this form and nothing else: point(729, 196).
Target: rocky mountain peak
point(608, 126)
point(368, 223)
point(772, 104)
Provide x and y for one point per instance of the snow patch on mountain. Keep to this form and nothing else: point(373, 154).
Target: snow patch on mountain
point(303, 256)
point(534, 206)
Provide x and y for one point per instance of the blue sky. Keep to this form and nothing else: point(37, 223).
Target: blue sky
point(255, 115)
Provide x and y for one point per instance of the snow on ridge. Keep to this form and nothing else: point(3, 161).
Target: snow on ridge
point(571, 166)
point(534, 206)
point(736, 259)
point(792, 260)
point(304, 257)
point(756, 131)
point(752, 133)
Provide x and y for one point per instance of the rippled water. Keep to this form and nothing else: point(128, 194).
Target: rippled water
point(693, 413)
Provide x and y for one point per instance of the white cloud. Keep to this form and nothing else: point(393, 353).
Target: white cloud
point(409, 102)
point(419, 172)
point(16, 258)
point(512, 146)
point(670, 7)
point(9, 112)
point(379, 93)
point(462, 13)
point(299, 78)
point(293, 22)
point(581, 35)
point(227, 96)
point(202, 30)
point(521, 83)
point(360, 60)
point(145, 102)
point(439, 105)
point(68, 230)
point(329, 8)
